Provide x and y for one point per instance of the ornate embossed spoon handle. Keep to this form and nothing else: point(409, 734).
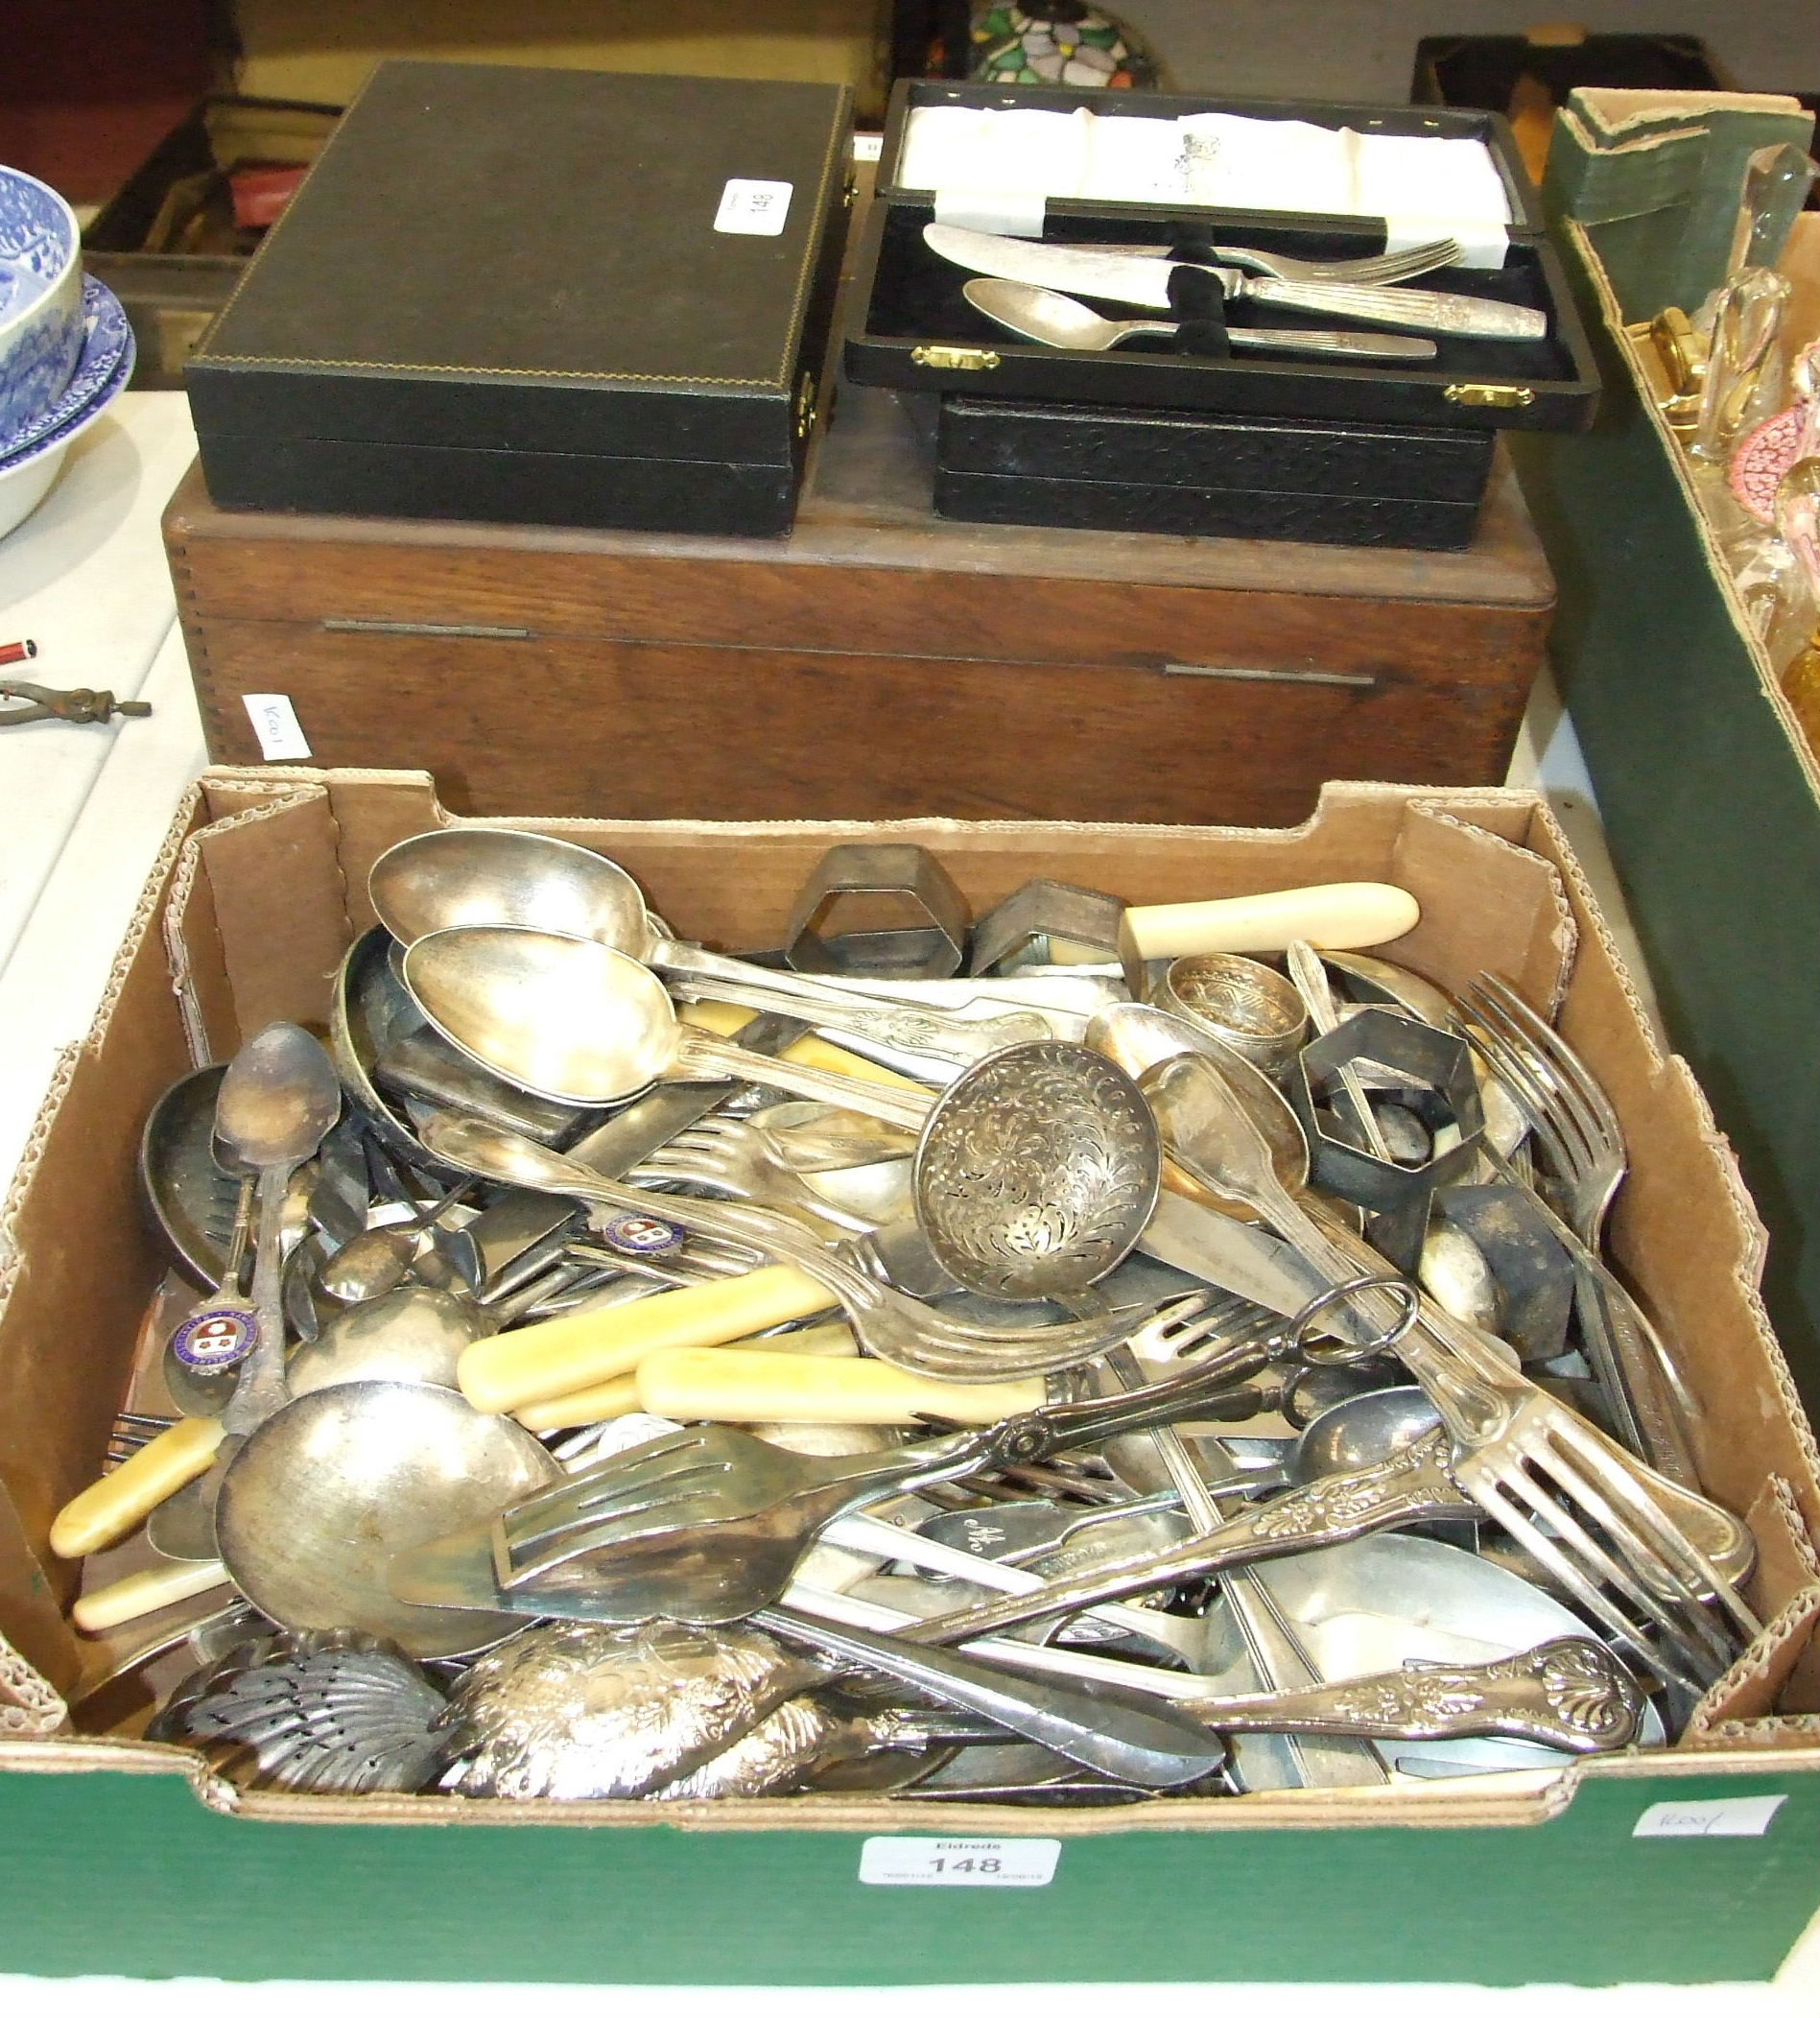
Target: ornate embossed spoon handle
point(1414, 1484)
point(1571, 1694)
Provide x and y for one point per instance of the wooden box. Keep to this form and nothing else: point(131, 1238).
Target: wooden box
point(879, 662)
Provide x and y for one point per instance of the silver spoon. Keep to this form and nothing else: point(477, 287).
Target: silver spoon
point(328, 1489)
point(1140, 1037)
point(1046, 317)
point(577, 1022)
point(477, 876)
point(279, 1098)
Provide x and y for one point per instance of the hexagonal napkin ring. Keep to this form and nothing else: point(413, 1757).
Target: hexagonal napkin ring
point(854, 877)
point(1422, 1068)
point(1044, 924)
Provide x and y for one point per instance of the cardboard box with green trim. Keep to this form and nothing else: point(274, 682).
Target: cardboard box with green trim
point(117, 1854)
point(1710, 795)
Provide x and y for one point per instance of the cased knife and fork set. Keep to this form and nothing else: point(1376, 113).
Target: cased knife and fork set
point(1027, 287)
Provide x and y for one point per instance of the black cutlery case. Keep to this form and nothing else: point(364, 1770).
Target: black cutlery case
point(908, 326)
point(1123, 469)
point(544, 297)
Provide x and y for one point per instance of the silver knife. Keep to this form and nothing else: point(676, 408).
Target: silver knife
point(1145, 282)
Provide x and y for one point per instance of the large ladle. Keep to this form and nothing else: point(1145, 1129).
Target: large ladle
point(575, 1021)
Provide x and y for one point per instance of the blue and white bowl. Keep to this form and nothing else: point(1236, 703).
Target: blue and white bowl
point(27, 475)
point(41, 297)
point(107, 336)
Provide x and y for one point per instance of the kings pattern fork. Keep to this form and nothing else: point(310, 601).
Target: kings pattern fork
point(1380, 270)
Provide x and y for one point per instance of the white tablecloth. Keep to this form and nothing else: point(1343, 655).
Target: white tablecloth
point(86, 576)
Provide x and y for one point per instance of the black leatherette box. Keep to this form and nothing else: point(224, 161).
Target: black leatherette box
point(551, 296)
point(1122, 469)
point(911, 328)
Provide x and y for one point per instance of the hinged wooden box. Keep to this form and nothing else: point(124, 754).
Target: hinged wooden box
point(880, 662)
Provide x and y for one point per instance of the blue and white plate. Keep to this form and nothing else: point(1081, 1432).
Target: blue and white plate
point(108, 337)
point(72, 422)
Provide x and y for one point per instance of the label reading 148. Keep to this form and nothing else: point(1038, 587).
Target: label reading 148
point(958, 1859)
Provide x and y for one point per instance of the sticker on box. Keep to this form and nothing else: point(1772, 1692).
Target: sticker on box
point(1744, 1814)
point(753, 209)
point(275, 722)
point(958, 1859)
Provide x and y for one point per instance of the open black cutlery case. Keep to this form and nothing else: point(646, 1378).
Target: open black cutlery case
point(1183, 435)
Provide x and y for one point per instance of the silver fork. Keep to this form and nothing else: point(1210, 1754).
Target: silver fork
point(1567, 1108)
point(1584, 1506)
point(1380, 270)
point(1582, 1142)
point(744, 1162)
point(129, 1433)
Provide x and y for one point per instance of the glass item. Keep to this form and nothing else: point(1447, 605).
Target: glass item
point(1798, 520)
point(1058, 42)
point(1747, 315)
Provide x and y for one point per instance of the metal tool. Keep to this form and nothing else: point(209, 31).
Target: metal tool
point(575, 1021)
point(709, 1523)
point(1037, 1172)
point(1579, 1134)
point(279, 1098)
point(76, 705)
point(314, 1712)
point(891, 1325)
point(1585, 1508)
point(326, 1491)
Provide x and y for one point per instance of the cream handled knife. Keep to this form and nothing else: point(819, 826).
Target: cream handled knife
point(1145, 282)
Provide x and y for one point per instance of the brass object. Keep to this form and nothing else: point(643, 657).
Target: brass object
point(1487, 396)
point(806, 405)
point(1675, 355)
point(955, 357)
